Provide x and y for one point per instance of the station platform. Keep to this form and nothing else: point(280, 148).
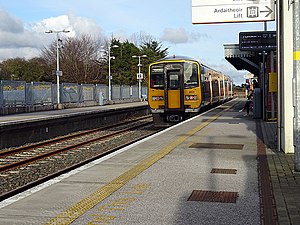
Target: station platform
point(216, 168)
point(24, 128)
point(59, 113)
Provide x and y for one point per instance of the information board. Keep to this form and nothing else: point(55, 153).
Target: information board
point(257, 41)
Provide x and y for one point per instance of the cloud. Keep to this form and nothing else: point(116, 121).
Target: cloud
point(235, 75)
point(26, 40)
point(180, 35)
point(83, 25)
point(23, 52)
point(12, 32)
point(75, 24)
point(175, 35)
point(15, 40)
point(9, 23)
point(196, 36)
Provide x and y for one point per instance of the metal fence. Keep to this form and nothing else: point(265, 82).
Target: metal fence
point(20, 93)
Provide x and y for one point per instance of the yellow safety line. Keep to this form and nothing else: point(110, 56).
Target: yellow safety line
point(296, 55)
point(75, 211)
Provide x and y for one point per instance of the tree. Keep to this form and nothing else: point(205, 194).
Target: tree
point(82, 61)
point(141, 38)
point(21, 69)
point(153, 50)
point(123, 66)
point(78, 60)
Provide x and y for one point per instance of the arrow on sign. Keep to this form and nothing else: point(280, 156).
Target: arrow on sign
point(269, 11)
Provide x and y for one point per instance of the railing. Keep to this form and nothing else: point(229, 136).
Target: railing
point(22, 94)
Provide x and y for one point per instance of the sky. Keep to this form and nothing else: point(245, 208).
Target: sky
point(23, 24)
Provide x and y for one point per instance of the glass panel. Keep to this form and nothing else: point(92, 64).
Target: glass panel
point(157, 77)
point(190, 75)
point(173, 80)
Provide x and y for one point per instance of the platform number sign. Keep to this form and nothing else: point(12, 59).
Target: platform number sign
point(139, 76)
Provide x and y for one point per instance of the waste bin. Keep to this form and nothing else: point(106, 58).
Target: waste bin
point(257, 104)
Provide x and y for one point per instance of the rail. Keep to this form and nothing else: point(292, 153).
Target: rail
point(27, 166)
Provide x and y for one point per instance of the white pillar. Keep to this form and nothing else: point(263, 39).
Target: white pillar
point(286, 75)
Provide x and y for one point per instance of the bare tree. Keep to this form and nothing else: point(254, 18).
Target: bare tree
point(140, 38)
point(79, 59)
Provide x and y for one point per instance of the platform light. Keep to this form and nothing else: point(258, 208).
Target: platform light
point(109, 70)
point(139, 77)
point(58, 73)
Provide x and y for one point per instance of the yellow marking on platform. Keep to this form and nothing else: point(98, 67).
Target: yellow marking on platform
point(137, 189)
point(296, 55)
point(116, 205)
point(101, 219)
point(75, 211)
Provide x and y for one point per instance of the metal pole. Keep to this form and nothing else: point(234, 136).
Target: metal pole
point(279, 71)
point(264, 85)
point(296, 82)
point(57, 69)
point(58, 73)
point(265, 26)
point(264, 109)
point(139, 65)
point(109, 77)
point(109, 73)
point(223, 86)
point(139, 76)
point(272, 93)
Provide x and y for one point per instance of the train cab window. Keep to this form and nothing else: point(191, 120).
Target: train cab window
point(156, 77)
point(191, 75)
point(157, 81)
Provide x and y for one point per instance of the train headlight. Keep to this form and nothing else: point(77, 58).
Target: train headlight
point(191, 97)
point(157, 98)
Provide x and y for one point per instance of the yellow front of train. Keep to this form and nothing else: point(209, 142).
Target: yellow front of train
point(174, 89)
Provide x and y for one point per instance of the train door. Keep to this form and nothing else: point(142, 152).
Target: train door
point(174, 95)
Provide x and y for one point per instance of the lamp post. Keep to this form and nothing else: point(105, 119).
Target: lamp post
point(139, 75)
point(58, 73)
point(109, 73)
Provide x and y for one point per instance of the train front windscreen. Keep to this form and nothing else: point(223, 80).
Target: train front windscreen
point(190, 74)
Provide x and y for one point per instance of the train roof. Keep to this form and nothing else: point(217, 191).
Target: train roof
point(176, 57)
point(179, 57)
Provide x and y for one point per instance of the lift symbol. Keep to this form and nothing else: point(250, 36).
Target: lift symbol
point(253, 11)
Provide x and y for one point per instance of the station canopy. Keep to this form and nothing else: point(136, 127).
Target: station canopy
point(242, 60)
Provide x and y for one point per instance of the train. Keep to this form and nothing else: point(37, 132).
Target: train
point(179, 87)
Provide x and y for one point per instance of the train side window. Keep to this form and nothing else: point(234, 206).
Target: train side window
point(202, 75)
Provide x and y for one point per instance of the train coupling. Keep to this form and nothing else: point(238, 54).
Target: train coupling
point(174, 118)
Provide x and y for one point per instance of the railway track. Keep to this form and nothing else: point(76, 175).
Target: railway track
point(24, 167)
